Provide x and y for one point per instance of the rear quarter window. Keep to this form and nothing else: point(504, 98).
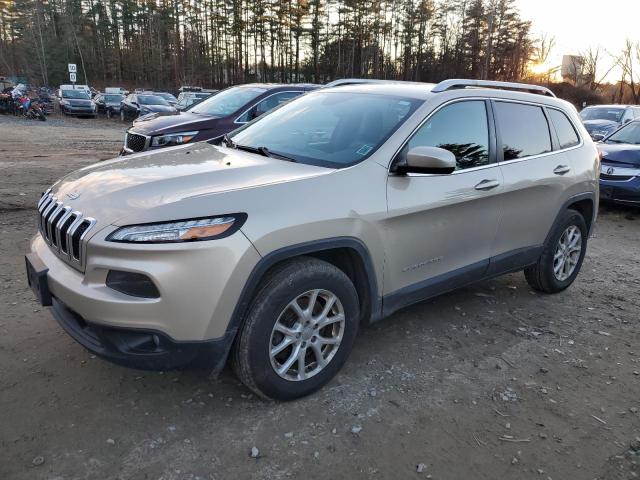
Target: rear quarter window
point(523, 129)
point(567, 135)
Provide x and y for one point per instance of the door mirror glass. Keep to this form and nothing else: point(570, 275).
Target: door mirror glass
point(428, 160)
point(597, 137)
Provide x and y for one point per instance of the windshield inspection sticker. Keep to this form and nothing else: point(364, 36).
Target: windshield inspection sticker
point(364, 149)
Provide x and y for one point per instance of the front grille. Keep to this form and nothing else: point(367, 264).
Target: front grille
point(135, 142)
point(63, 228)
point(615, 178)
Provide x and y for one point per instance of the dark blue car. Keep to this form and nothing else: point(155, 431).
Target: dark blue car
point(620, 168)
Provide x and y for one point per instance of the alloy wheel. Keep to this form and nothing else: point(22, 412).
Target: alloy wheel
point(567, 253)
point(307, 335)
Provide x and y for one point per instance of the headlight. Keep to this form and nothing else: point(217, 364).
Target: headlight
point(144, 110)
point(189, 230)
point(173, 139)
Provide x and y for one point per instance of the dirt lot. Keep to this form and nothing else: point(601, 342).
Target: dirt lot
point(490, 382)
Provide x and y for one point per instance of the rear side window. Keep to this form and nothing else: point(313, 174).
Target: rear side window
point(567, 135)
point(461, 128)
point(524, 130)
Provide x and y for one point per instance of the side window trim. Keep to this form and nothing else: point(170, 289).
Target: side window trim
point(553, 133)
point(237, 120)
point(491, 127)
point(576, 131)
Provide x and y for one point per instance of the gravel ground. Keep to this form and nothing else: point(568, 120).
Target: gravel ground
point(492, 381)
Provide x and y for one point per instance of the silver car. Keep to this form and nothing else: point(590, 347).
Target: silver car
point(331, 212)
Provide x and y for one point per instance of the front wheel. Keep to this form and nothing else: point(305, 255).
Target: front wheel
point(109, 114)
point(299, 330)
point(122, 116)
point(562, 257)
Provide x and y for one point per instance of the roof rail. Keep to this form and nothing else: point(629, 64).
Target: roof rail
point(461, 83)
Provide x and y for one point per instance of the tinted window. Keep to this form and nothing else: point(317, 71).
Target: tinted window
point(79, 94)
point(627, 134)
point(151, 100)
point(602, 113)
point(461, 128)
point(524, 130)
point(228, 101)
point(328, 128)
point(567, 135)
point(267, 104)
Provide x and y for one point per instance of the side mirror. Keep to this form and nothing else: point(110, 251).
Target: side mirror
point(428, 160)
point(135, 104)
point(597, 137)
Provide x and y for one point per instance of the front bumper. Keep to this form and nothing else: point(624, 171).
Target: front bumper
point(142, 349)
point(79, 111)
point(625, 192)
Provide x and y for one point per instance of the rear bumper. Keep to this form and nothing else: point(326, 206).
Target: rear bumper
point(624, 192)
point(139, 348)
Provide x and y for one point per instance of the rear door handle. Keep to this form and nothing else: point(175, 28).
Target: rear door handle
point(487, 185)
point(561, 169)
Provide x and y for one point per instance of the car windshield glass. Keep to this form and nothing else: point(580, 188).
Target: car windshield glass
point(113, 98)
point(167, 96)
point(228, 101)
point(602, 113)
point(79, 94)
point(331, 129)
point(630, 133)
point(151, 100)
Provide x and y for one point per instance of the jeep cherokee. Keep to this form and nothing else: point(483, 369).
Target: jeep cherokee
point(332, 211)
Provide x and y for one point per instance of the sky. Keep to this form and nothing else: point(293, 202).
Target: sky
point(580, 24)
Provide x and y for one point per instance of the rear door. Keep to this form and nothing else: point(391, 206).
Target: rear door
point(537, 172)
point(441, 227)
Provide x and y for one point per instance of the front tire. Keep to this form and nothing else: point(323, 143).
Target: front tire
point(122, 116)
point(299, 330)
point(562, 257)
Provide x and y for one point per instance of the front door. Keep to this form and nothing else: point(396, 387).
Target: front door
point(441, 227)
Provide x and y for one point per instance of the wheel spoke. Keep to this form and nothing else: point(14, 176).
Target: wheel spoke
point(317, 352)
point(286, 331)
point(327, 308)
point(329, 320)
point(282, 345)
point(295, 306)
point(284, 368)
point(302, 374)
point(313, 298)
point(328, 340)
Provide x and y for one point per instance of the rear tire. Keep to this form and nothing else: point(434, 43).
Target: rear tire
point(318, 339)
point(562, 257)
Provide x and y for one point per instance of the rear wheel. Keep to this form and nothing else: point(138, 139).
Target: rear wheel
point(562, 257)
point(299, 330)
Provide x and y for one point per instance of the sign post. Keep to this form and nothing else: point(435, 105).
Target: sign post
point(72, 74)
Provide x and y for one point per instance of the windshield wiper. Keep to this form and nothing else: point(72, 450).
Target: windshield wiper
point(265, 152)
point(228, 142)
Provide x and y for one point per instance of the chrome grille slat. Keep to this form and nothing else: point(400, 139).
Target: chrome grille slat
point(64, 229)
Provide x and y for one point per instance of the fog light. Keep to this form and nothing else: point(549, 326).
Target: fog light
point(134, 284)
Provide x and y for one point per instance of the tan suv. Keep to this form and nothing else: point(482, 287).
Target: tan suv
point(332, 211)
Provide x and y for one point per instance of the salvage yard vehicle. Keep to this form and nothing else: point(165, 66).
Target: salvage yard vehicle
point(328, 213)
point(76, 102)
point(211, 118)
point(108, 103)
point(602, 120)
point(137, 104)
point(620, 165)
point(189, 99)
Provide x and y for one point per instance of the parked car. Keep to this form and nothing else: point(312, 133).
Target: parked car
point(620, 165)
point(137, 104)
point(331, 212)
point(117, 90)
point(172, 100)
point(188, 99)
point(211, 118)
point(601, 120)
point(84, 88)
point(108, 103)
point(76, 102)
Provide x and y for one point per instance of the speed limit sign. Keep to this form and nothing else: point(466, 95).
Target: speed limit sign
point(72, 68)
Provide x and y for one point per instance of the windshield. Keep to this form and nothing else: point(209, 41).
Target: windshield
point(630, 133)
point(113, 98)
point(75, 94)
point(602, 113)
point(167, 96)
point(151, 100)
point(332, 129)
point(228, 101)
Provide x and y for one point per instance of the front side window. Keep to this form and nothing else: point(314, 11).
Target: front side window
point(328, 128)
point(151, 100)
point(461, 128)
point(524, 130)
point(267, 104)
point(567, 135)
point(228, 101)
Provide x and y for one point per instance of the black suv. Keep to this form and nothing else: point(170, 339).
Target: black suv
point(138, 104)
point(211, 118)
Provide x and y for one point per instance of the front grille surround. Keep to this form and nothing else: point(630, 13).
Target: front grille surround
point(63, 228)
point(136, 142)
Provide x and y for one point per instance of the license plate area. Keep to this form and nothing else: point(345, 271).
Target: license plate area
point(37, 278)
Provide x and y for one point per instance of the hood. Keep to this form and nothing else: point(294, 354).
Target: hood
point(137, 184)
point(593, 125)
point(180, 122)
point(78, 102)
point(620, 154)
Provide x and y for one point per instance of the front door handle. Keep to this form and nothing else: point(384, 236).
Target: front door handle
point(487, 185)
point(561, 169)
